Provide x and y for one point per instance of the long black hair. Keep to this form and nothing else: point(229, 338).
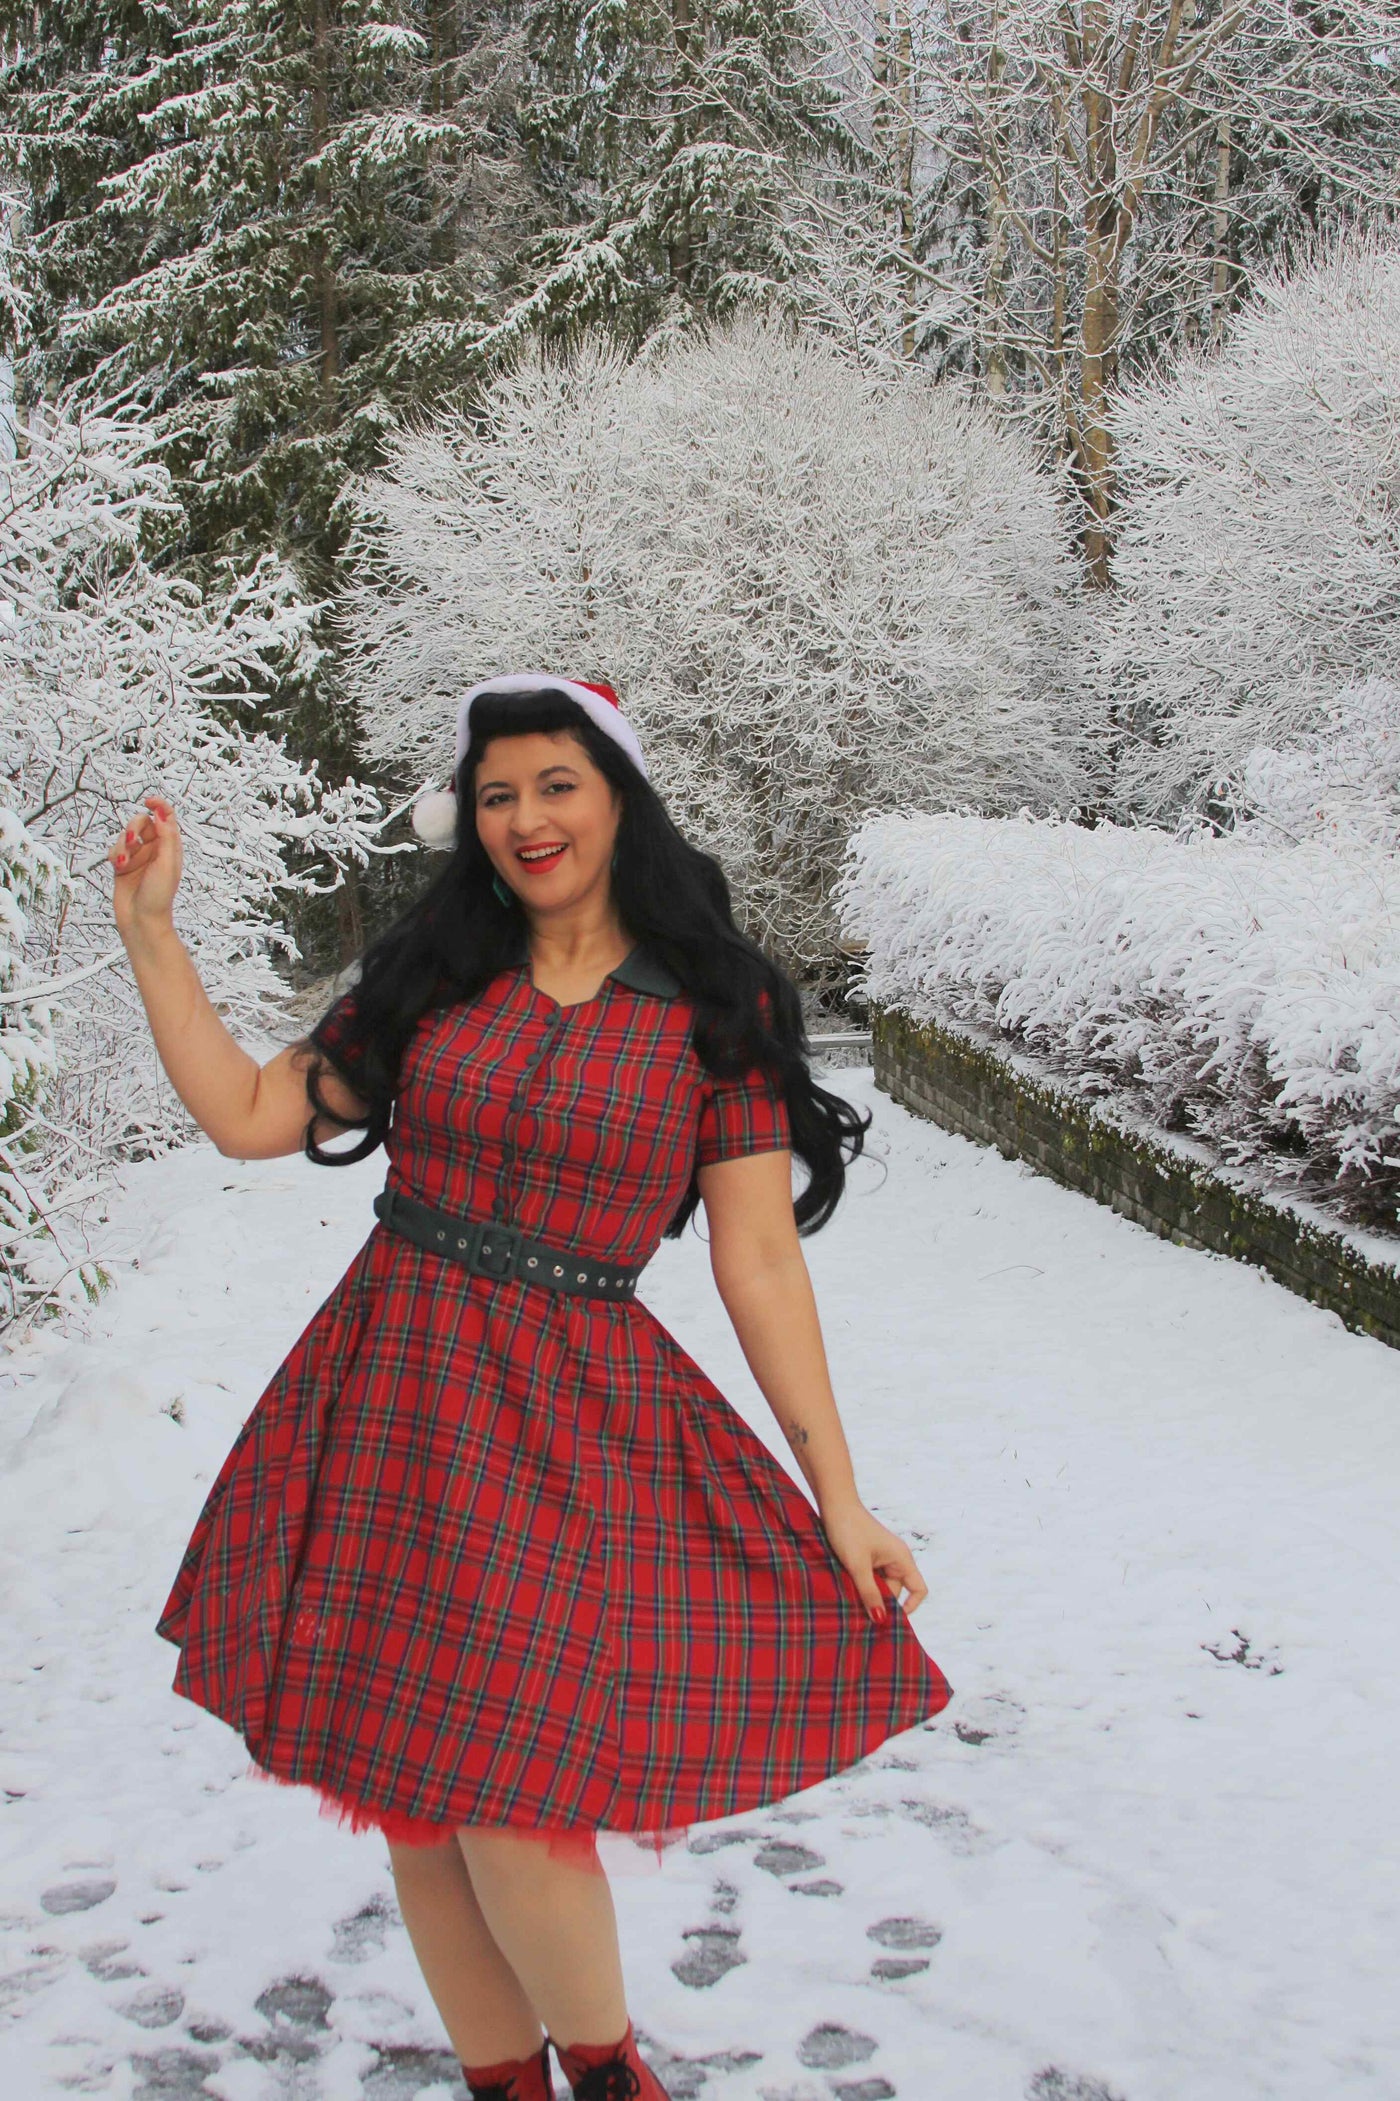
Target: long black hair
point(670, 896)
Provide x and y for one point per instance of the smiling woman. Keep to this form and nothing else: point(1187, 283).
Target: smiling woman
point(547, 818)
point(492, 1565)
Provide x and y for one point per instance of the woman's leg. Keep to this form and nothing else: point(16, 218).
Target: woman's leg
point(484, 2007)
point(555, 1925)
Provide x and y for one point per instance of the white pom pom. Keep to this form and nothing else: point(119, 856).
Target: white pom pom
point(434, 818)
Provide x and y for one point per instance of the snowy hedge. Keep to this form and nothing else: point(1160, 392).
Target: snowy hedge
point(1228, 988)
point(817, 592)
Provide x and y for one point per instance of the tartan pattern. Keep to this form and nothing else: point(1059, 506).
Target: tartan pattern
point(484, 1554)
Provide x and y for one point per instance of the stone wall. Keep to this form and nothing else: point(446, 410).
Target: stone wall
point(970, 1086)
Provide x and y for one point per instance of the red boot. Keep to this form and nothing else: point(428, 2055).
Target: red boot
point(513, 2079)
point(609, 2071)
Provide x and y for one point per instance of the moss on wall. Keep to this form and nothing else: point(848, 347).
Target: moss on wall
point(968, 1086)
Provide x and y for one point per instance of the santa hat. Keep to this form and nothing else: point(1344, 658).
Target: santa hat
point(435, 814)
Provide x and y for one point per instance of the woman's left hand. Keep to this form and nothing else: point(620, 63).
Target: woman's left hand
point(872, 1554)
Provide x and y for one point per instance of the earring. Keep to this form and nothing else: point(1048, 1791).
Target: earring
point(502, 890)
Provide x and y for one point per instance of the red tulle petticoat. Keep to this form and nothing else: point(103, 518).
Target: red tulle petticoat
point(628, 1852)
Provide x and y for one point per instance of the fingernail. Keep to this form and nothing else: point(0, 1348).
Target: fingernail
point(120, 859)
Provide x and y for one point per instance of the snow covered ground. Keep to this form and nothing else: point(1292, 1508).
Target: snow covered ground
point(1149, 1853)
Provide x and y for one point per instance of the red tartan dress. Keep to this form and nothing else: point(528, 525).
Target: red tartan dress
point(484, 1553)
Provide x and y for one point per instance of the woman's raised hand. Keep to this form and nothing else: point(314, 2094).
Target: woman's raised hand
point(147, 859)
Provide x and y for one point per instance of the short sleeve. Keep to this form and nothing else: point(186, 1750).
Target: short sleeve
point(337, 1034)
point(744, 1115)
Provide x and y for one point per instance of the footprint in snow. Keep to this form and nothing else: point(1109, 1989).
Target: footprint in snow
point(713, 1953)
point(64, 1897)
point(108, 1961)
point(904, 1934)
point(153, 2006)
point(176, 2074)
point(988, 1718)
point(402, 2070)
point(830, 2048)
point(365, 1932)
point(1051, 2084)
point(715, 1950)
point(685, 2078)
point(714, 1841)
point(783, 1857)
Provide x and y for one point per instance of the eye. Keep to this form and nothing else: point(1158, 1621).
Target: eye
point(565, 787)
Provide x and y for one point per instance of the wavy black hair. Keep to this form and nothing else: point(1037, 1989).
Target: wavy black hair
point(671, 897)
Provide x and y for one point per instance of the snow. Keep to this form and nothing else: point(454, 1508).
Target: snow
point(1135, 1868)
point(1251, 986)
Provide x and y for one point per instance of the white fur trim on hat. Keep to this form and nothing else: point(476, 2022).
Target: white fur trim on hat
point(610, 720)
point(434, 817)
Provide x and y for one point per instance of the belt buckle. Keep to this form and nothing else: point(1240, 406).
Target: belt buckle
point(499, 1243)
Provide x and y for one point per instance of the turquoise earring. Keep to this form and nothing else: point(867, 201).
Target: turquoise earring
point(503, 890)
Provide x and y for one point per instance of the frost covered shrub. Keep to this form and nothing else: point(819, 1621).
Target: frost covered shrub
point(818, 592)
point(1340, 782)
point(1247, 994)
point(1258, 550)
point(108, 668)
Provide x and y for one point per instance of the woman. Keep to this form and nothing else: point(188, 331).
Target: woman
point(492, 1564)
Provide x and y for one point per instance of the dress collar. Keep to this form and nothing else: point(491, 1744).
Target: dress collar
point(644, 972)
point(639, 970)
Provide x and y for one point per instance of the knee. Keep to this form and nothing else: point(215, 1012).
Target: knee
point(425, 1861)
point(513, 1854)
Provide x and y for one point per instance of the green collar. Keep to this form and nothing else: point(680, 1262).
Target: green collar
point(642, 972)
point(639, 970)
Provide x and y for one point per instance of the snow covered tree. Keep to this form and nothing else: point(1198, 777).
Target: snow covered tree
point(278, 225)
point(117, 678)
point(1259, 537)
point(817, 590)
point(1339, 782)
point(32, 880)
point(1076, 188)
point(663, 135)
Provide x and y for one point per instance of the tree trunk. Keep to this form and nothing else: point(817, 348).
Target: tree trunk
point(323, 265)
point(1220, 276)
point(682, 245)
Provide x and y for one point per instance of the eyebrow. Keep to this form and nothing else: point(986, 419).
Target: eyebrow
point(559, 766)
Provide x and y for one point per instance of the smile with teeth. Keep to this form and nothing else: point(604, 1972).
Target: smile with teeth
point(540, 856)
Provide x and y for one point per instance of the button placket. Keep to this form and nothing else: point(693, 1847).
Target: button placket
point(515, 1109)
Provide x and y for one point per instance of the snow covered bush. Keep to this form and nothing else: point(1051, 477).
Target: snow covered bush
point(117, 678)
point(1340, 782)
point(1241, 992)
point(1258, 558)
point(818, 592)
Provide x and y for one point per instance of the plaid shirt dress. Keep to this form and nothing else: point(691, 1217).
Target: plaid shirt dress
point(484, 1553)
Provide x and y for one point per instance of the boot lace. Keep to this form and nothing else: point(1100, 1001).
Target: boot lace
point(613, 2081)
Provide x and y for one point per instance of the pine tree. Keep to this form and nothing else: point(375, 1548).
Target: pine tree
point(663, 136)
point(276, 225)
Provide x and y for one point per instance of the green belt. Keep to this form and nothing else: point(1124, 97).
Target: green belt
point(490, 1248)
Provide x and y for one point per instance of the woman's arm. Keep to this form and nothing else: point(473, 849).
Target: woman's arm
point(761, 1273)
point(251, 1111)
